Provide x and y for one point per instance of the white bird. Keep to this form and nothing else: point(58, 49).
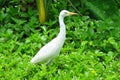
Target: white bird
point(52, 49)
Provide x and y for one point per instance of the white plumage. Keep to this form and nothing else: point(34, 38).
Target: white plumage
point(52, 49)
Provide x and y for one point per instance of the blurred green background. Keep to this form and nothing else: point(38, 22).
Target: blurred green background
point(91, 50)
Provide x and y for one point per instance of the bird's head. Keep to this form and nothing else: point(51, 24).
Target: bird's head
point(65, 13)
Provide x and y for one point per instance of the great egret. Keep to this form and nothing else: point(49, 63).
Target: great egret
point(52, 49)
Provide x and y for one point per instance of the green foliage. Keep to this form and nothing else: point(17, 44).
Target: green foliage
point(91, 50)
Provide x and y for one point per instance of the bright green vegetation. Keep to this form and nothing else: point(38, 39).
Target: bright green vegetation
point(91, 50)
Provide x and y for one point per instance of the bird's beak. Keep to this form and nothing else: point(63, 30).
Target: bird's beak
point(72, 13)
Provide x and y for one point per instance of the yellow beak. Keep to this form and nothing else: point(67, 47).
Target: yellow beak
point(72, 13)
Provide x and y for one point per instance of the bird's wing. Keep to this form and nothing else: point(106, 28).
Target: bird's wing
point(48, 51)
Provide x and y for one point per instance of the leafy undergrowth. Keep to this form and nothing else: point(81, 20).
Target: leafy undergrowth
point(91, 50)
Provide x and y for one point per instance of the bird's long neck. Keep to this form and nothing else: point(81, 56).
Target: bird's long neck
point(62, 32)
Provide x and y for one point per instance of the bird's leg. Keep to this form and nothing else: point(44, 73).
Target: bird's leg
point(49, 62)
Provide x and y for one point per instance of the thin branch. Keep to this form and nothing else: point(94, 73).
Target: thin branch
point(75, 8)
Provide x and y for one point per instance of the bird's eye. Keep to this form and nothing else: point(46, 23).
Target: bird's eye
point(65, 12)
